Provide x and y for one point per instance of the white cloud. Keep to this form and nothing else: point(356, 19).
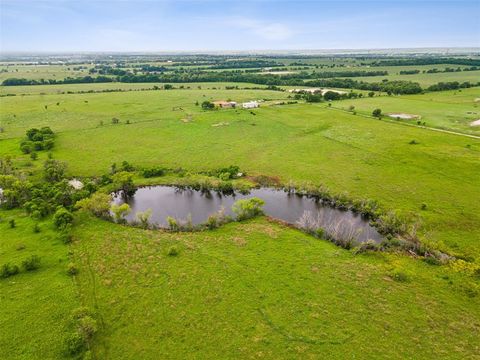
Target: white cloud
point(268, 31)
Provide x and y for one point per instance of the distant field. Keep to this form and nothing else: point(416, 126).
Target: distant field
point(37, 72)
point(451, 110)
point(63, 88)
point(427, 79)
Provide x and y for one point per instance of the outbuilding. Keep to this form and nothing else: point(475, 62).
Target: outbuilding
point(250, 105)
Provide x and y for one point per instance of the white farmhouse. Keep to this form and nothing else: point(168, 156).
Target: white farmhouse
point(250, 105)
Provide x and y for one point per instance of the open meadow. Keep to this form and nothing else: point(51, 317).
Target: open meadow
point(248, 289)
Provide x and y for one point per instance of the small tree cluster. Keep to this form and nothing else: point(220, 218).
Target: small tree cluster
point(37, 140)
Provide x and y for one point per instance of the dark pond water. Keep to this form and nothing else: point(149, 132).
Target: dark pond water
point(170, 201)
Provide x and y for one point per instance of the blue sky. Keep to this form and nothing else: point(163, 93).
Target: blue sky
point(148, 25)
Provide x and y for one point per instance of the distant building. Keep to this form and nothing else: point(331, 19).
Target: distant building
point(225, 104)
point(315, 90)
point(250, 105)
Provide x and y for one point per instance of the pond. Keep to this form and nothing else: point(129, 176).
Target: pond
point(183, 203)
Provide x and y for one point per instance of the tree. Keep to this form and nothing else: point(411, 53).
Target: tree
point(54, 170)
point(371, 94)
point(331, 95)
point(98, 204)
point(120, 211)
point(377, 113)
point(207, 105)
point(62, 218)
point(123, 181)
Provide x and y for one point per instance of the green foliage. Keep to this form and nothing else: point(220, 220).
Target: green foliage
point(120, 212)
point(72, 269)
point(226, 173)
point(54, 170)
point(173, 251)
point(62, 218)
point(7, 270)
point(98, 204)
point(37, 139)
point(143, 217)
point(16, 191)
point(153, 172)
point(74, 343)
point(123, 181)
point(207, 105)
point(377, 113)
point(248, 208)
point(31, 263)
point(400, 276)
point(172, 223)
point(332, 95)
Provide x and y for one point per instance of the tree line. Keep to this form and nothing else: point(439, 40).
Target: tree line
point(391, 87)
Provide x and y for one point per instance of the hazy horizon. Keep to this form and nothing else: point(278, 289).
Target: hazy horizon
point(145, 26)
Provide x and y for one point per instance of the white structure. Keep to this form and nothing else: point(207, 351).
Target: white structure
point(316, 90)
point(76, 184)
point(250, 105)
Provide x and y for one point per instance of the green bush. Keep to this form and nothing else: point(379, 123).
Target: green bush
point(172, 251)
point(62, 218)
point(72, 269)
point(8, 270)
point(120, 211)
point(143, 217)
point(172, 223)
point(377, 113)
point(248, 208)
point(65, 237)
point(31, 263)
point(75, 343)
point(400, 276)
point(153, 172)
point(98, 204)
point(87, 327)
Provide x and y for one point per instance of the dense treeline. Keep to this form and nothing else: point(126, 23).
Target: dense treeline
point(409, 72)
point(452, 85)
point(337, 74)
point(392, 87)
point(246, 64)
point(427, 61)
point(68, 80)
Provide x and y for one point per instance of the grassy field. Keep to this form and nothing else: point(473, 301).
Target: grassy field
point(35, 305)
point(364, 156)
point(258, 290)
point(37, 72)
point(64, 88)
point(426, 79)
point(450, 110)
point(254, 289)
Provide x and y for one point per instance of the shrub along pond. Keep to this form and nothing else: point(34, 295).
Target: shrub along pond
point(196, 206)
